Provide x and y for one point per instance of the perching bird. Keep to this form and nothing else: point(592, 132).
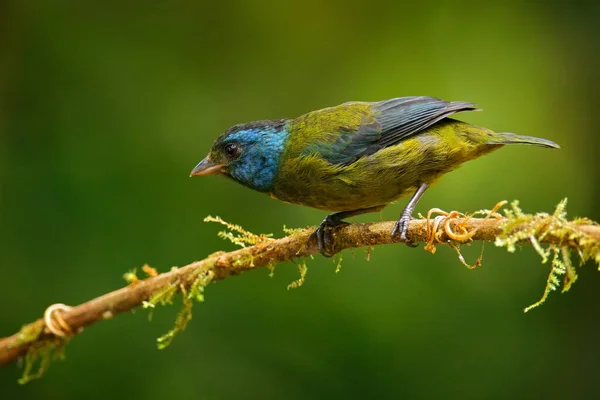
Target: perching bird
point(354, 158)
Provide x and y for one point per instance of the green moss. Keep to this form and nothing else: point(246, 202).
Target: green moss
point(302, 268)
point(338, 267)
point(200, 279)
point(40, 356)
point(245, 261)
point(131, 276)
point(29, 333)
point(40, 353)
point(291, 232)
point(183, 317)
point(521, 227)
point(162, 296)
point(238, 235)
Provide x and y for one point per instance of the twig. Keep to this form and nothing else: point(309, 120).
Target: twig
point(265, 253)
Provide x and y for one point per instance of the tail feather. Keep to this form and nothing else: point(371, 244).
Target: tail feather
point(511, 138)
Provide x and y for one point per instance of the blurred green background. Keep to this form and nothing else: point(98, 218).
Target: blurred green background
point(106, 107)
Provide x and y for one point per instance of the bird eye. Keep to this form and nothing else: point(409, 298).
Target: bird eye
point(231, 149)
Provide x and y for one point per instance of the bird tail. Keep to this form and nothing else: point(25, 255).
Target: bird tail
point(511, 138)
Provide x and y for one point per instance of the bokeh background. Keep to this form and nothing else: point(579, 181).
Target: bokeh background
point(106, 107)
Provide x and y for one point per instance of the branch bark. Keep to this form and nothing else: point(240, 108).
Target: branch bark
point(268, 252)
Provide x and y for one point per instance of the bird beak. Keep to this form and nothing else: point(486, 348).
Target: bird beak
point(207, 167)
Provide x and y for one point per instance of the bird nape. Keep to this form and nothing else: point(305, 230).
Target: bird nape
point(354, 158)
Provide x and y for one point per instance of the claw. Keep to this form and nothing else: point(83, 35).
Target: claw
point(323, 234)
point(319, 236)
point(401, 229)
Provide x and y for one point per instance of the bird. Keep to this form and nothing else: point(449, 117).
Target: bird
point(356, 157)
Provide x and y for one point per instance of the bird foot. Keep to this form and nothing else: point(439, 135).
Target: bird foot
point(401, 229)
point(323, 234)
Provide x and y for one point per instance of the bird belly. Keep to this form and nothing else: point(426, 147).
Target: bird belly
point(322, 186)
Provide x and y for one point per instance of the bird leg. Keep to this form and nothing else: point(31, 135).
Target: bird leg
point(323, 233)
point(401, 226)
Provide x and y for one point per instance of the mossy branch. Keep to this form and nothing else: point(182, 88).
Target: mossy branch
point(36, 339)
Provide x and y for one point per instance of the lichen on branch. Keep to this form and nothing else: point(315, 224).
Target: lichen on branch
point(560, 236)
point(569, 235)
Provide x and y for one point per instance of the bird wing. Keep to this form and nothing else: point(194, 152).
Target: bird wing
point(389, 123)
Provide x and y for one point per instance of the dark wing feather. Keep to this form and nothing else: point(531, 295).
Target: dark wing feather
point(404, 117)
point(395, 120)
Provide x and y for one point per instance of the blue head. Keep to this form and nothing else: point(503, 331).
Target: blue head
point(248, 153)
